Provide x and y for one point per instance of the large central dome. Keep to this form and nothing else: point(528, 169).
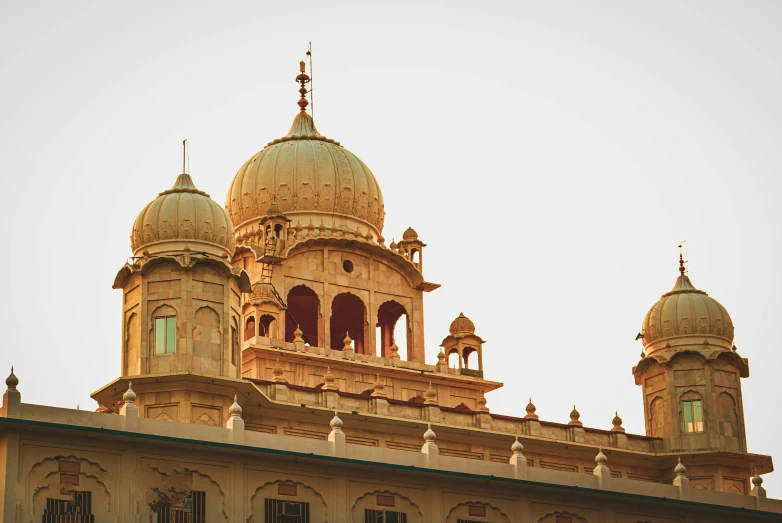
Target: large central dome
point(311, 178)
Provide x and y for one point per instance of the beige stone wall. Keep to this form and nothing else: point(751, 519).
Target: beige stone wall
point(127, 476)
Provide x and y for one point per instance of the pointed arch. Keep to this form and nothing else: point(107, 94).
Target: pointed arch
point(348, 316)
point(303, 310)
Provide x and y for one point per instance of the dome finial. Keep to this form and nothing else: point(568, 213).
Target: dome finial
point(681, 263)
point(184, 156)
point(303, 79)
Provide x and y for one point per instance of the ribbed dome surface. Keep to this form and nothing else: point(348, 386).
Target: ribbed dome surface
point(462, 325)
point(305, 172)
point(183, 213)
point(686, 311)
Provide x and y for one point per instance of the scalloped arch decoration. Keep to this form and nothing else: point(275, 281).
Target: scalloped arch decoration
point(492, 512)
point(317, 495)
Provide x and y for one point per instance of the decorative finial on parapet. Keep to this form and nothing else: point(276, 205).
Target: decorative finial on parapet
point(601, 458)
point(394, 351)
point(346, 343)
point(617, 422)
point(129, 396)
point(235, 409)
point(303, 79)
point(680, 469)
point(517, 447)
point(442, 358)
point(430, 396)
point(574, 418)
point(336, 423)
point(482, 403)
point(531, 410)
point(378, 388)
point(429, 435)
point(757, 482)
point(328, 380)
point(11, 381)
point(298, 335)
point(278, 372)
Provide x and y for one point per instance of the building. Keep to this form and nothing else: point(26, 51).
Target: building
point(261, 381)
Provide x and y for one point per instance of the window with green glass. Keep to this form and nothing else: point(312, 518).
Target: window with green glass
point(693, 415)
point(165, 335)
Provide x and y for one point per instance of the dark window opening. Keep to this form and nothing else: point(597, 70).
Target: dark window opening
point(78, 509)
point(282, 511)
point(347, 266)
point(190, 509)
point(278, 230)
point(384, 516)
point(348, 315)
point(265, 326)
point(304, 311)
point(234, 344)
point(249, 328)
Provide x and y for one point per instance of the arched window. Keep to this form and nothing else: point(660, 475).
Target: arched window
point(467, 353)
point(415, 257)
point(234, 342)
point(391, 329)
point(278, 230)
point(303, 310)
point(266, 324)
point(453, 359)
point(692, 412)
point(249, 328)
point(165, 330)
point(348, 315)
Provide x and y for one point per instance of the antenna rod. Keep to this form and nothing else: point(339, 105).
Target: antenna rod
point(312, 96)
point(184, 155)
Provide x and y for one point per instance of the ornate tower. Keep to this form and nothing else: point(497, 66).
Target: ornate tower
point(181, 296)
point(690, 372)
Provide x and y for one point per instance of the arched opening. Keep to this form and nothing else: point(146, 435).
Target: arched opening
point(304, 311)
point(453, 359)
point(267, 326)
point(249, 328)
point(467, 352)
point(415, 256)
point(278, 230)
point(348, 315)
point(391, 329)
point(234, 342)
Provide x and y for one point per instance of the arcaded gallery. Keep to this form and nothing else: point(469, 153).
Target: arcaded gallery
point(273, 371)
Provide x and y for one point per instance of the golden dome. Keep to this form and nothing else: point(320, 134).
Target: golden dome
point(410, 234)
point(686, 312)
point(183, 217)
point(311, 177)
point(462, 325)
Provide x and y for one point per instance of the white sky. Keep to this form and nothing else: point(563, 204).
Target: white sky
point(551, 154)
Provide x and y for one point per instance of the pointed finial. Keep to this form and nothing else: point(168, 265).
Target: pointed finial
point(303, 79)
point(12, 381)
point(617, 423)
point(394, 351)
point(531, 410)
point(757, 481)
point(235, 409)
point(574, 417)
point(680, 469)
point(184, 156)
point(346, 343)
point(601, 458)
point(278, 372)
point(517, 447)
point(328, 380)
point(430, 396)
point(336, 423)
point(378, 388)
point(681, 263)
point(298, 335)
point(129, 396)
point(429, 435)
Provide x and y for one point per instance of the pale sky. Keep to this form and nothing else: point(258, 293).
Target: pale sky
point(551, 154)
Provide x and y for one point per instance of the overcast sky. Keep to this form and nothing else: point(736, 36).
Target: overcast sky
point(551, 154)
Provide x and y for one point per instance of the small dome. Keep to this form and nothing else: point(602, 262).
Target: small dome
point(410, 234)
point(183, 215)
point(307, 176)
point(462, 325)
point(686, 311)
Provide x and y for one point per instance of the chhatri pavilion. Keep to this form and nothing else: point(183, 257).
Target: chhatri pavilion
point(273, 370)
